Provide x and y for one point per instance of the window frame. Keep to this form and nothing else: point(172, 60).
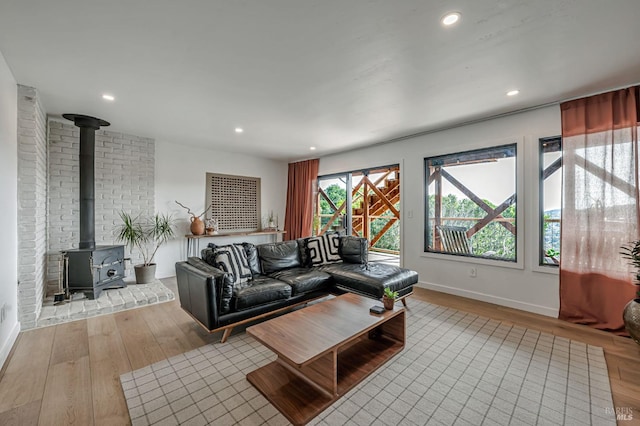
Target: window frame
point(522, 151)
point(540, 249)
point(457, 155)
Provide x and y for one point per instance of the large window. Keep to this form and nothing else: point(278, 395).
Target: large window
point(470, 203)
point(550, 200)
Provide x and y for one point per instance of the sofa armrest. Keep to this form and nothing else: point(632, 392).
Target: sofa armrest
point(197, 285)
point(354, 250)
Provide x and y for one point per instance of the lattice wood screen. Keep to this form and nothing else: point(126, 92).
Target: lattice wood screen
point(235, 201)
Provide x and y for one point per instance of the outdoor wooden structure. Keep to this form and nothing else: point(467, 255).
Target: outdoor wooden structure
point(377, 199)
point(442, 229)
point(437, 173)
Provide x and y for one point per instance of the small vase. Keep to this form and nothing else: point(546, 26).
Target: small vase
point(631, 317)
point(197, 226)
point(388, 302)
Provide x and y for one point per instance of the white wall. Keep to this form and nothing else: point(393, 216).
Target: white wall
point(528, 287)
point(181, 174)
point(9, 327)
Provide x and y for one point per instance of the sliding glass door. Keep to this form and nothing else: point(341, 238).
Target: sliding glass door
point(363, 203)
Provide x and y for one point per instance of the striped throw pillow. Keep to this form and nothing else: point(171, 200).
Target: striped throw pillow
point(324, 249)
point(233, 259)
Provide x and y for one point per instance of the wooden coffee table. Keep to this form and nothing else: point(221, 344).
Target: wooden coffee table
point(323, 351)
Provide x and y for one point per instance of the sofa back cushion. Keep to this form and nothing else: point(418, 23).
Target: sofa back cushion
point(323, 249)
point(207, 256)
point(252, 258)
point(302, 251)
point(354, 250)
point(277, 256)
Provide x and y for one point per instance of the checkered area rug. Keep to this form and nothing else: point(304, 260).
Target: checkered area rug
point(456, 369)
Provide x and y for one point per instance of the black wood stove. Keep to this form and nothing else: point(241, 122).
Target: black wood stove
point(90, 268)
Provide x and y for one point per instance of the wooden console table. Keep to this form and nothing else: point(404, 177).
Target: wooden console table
point(193, 241)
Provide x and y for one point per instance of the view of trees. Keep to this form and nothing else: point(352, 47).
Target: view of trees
point(337, 194)
point(493, 240)
point(389, 241)
point(551, 237)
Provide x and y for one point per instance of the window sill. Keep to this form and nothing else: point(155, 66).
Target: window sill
point(552, 270)
point(475, 260)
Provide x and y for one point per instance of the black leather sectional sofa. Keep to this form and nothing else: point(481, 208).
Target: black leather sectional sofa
point(281, 277)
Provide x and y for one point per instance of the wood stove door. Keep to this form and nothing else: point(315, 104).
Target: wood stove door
point(109, 264)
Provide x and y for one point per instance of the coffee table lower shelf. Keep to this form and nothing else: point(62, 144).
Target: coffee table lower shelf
point(299, 401)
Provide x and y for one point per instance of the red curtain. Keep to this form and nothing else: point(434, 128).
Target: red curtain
point(600, 210)
point(298, 219)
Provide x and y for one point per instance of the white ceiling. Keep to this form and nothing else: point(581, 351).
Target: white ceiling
point(333, 74)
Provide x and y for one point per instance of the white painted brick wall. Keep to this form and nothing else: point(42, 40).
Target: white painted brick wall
point(124, 179)
point(32, 205)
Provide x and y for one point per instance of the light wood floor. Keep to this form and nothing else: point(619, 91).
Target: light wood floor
point(69, 374)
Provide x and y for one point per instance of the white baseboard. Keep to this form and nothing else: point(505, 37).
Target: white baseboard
point(6, 347)
point(510, 303)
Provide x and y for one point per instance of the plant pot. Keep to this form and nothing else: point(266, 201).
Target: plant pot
point(145, 274)
point(197, 226)
point(631, 317)
point(388, 302)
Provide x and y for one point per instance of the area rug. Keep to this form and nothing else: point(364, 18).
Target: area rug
point(456, 368)
point(109, 301)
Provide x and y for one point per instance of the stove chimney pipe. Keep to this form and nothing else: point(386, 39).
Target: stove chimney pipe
point(88, 126)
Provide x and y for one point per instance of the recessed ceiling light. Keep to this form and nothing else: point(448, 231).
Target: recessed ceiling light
point(512, 92)
point(239, 130)
point(450, 18)
point(108, 97)
point(312, 148)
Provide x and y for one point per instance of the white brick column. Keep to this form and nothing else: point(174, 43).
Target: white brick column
point(32, 205)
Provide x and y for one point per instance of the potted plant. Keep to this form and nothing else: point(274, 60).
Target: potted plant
point(147, 235)
point(553, 255)
point(272, 221)
point(389, 298)
point(197, 225)
point(631, 313)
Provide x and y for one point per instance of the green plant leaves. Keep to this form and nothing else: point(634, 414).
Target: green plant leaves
point(146, 234)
